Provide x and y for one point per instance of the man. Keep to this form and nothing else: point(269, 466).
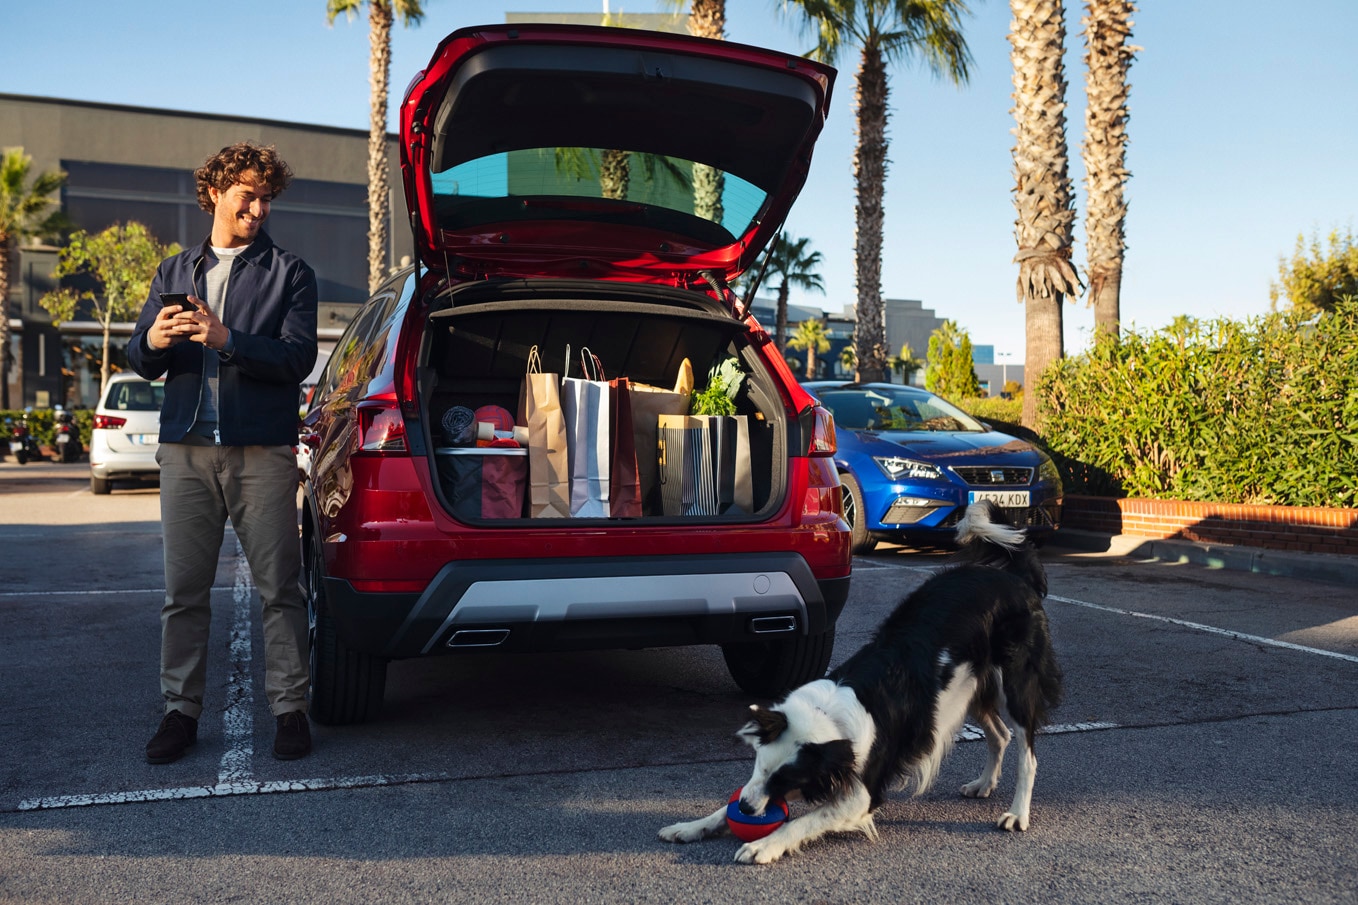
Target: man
point(235, 359)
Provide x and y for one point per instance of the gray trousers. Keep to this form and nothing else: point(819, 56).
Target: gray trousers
point(256, 487)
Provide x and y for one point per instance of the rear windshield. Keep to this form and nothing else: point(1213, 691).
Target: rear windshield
point(135, 396)
point(623, 187)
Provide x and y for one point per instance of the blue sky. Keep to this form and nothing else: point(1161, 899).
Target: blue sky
point(1243, 132)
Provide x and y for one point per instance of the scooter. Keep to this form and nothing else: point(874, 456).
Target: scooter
point(22, 442)
point(67, 437)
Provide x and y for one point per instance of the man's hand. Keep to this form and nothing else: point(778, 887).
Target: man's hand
point(205, 328)
point(171, 326)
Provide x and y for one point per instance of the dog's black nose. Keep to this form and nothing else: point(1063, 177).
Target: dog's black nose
point(747, 810)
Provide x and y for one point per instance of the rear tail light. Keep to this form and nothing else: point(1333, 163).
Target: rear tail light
point(381, 429)
point(823, 434)
point(822, 498)
point(109, 422)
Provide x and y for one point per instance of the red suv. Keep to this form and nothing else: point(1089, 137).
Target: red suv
point(575, 188)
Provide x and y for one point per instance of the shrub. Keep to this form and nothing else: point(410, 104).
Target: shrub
point(1257, 411)
point(992, 409)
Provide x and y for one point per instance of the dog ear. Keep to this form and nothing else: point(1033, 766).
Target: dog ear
point(829, 770)
point(764, 726)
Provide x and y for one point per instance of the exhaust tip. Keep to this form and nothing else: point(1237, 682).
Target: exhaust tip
point(478, 637)
point(773, 625)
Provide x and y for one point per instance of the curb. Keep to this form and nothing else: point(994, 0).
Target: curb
point(1323, 567)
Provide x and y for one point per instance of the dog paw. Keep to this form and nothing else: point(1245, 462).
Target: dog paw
point(977, 789)
point(1010, 822)
point(682, 832)
point(761, 851)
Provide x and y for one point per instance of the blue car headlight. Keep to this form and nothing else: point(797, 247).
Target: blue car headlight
point(900, 469)
point(1048, 473)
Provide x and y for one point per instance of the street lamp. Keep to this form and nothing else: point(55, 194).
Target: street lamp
point(1004, 369)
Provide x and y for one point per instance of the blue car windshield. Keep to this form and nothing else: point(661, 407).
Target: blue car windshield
point(895, 410)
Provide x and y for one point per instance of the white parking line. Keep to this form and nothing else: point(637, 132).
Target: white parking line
point(1210, 629)
point(239, 720)
point(225, 789)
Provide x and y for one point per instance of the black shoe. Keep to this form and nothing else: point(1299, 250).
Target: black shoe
point(176, 733)
point(294, 736)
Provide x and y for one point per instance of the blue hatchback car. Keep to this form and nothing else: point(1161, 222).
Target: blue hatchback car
point(910, 462)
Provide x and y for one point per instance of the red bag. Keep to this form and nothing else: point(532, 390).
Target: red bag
point(484, 482)
point(624, 482)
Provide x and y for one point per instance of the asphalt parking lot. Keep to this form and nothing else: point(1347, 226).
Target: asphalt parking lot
point(1203, 753)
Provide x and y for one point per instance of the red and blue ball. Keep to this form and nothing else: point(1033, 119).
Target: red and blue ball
point(748, 827)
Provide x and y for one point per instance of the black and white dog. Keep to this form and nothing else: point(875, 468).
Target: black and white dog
point(973, 639)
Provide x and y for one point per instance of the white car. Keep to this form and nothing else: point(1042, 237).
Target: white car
point(126, 432)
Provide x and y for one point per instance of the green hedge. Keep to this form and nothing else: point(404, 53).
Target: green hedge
point(993, 409)
point(42, 422)
point(1257, 411)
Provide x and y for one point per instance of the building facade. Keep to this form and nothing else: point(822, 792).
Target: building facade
point(131, 163)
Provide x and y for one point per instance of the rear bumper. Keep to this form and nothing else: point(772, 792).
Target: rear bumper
point(124, 469)
point(106, 463)
point(598, 603)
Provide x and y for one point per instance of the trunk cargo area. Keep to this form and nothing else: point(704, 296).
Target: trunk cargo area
point(476, 355)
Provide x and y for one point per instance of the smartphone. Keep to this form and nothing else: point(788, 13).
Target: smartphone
point(177, 298)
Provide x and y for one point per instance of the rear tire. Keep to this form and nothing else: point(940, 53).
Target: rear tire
point(770, 669)
point(861, 540)
point(100, 486)
point(346, 685)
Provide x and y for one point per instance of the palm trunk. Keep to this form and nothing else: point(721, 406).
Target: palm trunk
point(708, 185)
point(614, 175)
point(379, 194)
point(870, 185)
point(1105, 296)
point(1108, 56)
point(1042, 196)
point(4, 322)
point(707, 19)
point(811, 362)
point(780, 320)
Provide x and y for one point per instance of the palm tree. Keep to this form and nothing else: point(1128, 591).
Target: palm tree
point(1042, 196)
point(707, 19)
point(790, 259)
point(1108, 56)
point(812, 336)
point(905, 363)
point(848, 357)
point(928, 31)
point(380, 15)
point(23, 214)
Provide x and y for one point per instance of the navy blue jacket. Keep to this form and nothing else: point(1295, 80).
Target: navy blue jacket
point(271, 312)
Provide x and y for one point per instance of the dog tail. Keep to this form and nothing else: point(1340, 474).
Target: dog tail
point(984, 522)
point(987, 539)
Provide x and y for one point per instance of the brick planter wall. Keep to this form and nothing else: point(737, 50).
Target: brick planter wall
point(1309, 529)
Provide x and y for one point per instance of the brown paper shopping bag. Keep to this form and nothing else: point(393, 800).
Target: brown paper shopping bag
point(549, 477)
point(648, 404)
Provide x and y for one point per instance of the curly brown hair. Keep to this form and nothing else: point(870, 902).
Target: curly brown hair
point(229, 165)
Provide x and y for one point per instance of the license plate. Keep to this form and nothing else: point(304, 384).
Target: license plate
point(1007, 499)
point(142, 439)
point(62, 438)
point(15, 446)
